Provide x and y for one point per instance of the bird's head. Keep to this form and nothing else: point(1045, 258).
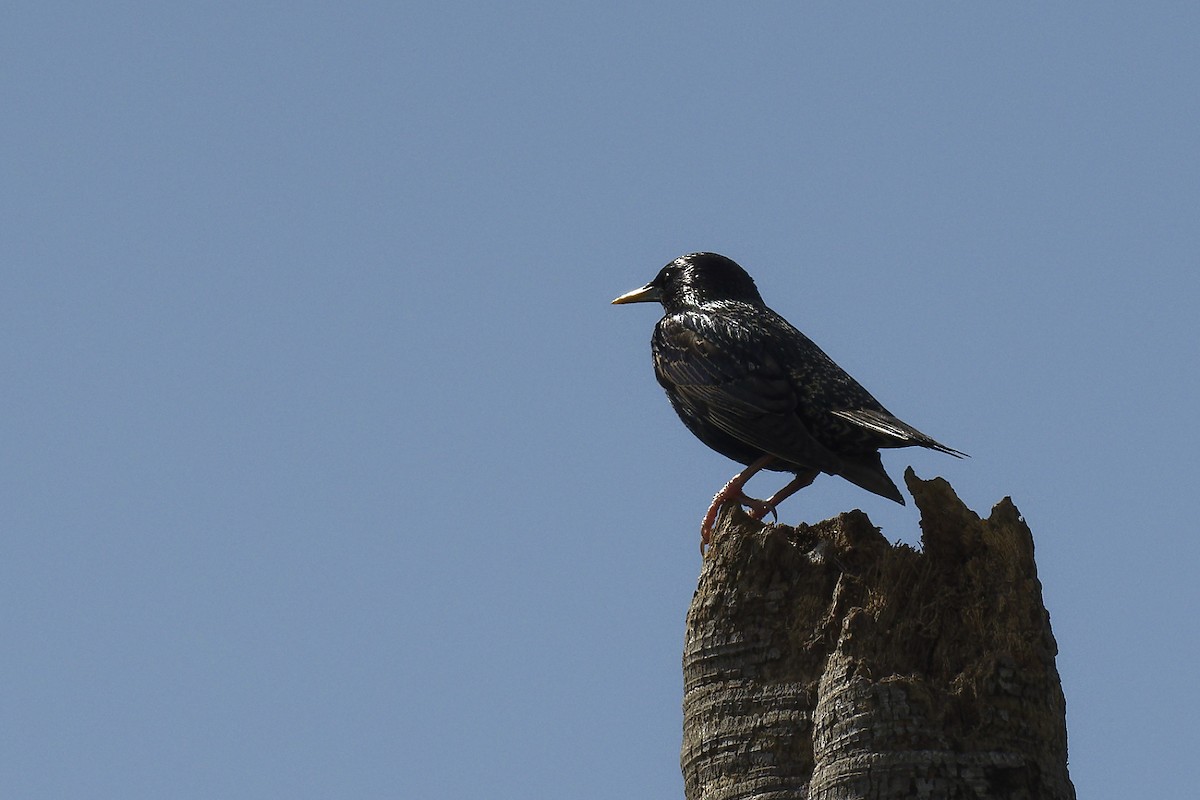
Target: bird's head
point(695, 280)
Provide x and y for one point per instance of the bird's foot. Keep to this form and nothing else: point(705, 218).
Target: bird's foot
point(732, 492)
point(758, 510)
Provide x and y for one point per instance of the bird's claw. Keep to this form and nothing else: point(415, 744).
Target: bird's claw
point(760, 508)
point(706, 529)
point(757, 510)
point(732, 492)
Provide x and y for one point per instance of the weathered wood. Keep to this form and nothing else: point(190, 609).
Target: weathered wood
point(823, 663)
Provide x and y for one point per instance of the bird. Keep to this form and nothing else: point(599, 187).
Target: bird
point(755, 389)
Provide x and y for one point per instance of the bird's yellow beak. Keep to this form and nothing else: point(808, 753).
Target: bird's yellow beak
point(647, 294)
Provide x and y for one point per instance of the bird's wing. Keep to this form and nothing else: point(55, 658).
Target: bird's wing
point(734, 382)
point(897, 429)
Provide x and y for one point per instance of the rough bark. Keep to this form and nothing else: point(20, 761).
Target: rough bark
point(821, 662)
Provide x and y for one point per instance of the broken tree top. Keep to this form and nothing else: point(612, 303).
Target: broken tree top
point(823, 662)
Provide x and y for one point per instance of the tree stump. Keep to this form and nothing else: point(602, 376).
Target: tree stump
point(822, 662)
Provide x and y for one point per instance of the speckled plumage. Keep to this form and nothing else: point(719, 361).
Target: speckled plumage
point(755, 389)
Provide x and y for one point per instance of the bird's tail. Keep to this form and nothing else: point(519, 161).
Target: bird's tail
point(867, 471)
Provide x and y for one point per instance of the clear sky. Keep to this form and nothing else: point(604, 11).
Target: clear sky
point(329, 471)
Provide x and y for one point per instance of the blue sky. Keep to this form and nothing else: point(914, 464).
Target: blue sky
point(329, 470)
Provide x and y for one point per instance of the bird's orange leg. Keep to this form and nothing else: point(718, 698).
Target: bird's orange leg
point(799, 482)
point(732, 493)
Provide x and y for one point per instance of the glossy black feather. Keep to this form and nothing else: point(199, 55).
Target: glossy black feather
point(747, 383)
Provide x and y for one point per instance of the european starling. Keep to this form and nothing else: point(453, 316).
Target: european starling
point(756, 390)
